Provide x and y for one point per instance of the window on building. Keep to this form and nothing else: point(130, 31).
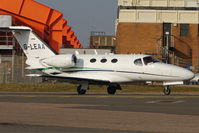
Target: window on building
point(184, 29)
point(198, 29)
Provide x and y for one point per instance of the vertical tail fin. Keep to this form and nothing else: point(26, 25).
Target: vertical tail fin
point(34, 48)
point(32, 45)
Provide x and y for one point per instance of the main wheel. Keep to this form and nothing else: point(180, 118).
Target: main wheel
point(167, 90)
point(111, 90)
point(80, 91)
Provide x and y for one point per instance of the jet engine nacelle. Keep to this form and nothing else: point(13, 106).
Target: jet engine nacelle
point(61, 61)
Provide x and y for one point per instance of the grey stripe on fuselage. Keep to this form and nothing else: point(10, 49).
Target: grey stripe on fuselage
point(70, 71)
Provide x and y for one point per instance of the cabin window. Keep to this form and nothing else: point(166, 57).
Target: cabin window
point(114, 60)
point(103, 60)
point(149, 59)
point(138, 62)
point(93, 60)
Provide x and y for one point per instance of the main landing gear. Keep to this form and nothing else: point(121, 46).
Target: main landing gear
point(80, 91)
point(82, 88)
point(112, 88)
point(167, 90)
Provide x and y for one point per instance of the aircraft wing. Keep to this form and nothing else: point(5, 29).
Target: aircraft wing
point(91, 78)
point(73, 79)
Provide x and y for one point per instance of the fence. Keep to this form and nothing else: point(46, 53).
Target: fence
point(12, 69)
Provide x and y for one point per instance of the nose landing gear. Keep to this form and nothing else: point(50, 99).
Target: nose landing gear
point(167, 90)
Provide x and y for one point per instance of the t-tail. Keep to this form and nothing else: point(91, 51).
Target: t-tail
point(39, 54)
point(33, 46)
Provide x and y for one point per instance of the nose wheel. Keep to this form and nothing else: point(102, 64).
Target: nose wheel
point(167, 90)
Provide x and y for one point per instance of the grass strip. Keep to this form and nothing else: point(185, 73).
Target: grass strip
point(61, 87)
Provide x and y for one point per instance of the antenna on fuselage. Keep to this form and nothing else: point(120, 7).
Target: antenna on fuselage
point(76, 52)
point(95, 51)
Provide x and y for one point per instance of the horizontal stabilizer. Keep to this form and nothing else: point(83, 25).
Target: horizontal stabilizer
point(34, 75)
point(33, 68)
point(15, 28)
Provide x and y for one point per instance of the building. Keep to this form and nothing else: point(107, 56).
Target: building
point(99, 40)
point(167, 29)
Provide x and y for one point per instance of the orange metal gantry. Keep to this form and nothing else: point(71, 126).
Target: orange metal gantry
point(48, 23)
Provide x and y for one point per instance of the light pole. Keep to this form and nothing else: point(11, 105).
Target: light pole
point(167, 48)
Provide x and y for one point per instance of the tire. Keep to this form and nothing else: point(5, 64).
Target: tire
point(167, 91)
point(80, 91)
point(111, 90)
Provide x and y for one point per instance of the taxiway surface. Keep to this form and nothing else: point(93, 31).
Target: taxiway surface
point(68, 112)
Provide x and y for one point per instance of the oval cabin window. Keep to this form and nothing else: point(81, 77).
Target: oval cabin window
point(103, 60)
point(114, 60)
point(93, 60)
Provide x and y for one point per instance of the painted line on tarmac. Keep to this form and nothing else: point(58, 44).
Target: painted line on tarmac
point(165, 102)
point(79, 96)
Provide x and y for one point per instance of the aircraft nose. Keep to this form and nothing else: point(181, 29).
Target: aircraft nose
point(187, 75)
point(182, 73)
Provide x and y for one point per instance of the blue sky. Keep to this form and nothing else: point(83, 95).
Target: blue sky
point(85, 16)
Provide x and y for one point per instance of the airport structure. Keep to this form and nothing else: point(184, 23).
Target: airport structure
point(167, 29)
point(99, 40)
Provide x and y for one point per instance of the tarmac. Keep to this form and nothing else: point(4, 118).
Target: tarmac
point(99, 113)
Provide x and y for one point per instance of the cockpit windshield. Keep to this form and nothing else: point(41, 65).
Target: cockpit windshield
point(149, 60)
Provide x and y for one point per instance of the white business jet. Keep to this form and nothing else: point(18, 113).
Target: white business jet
point(110, 70)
